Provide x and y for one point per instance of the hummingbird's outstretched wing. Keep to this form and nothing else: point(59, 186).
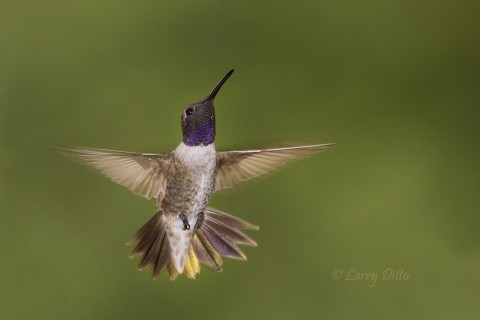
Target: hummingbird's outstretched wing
point(143, 173)
point(236, 166)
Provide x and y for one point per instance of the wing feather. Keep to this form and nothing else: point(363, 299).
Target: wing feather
point(143, 173)
point(234, 167)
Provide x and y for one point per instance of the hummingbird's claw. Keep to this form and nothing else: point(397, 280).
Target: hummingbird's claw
point(199, 222)
point(183, 217)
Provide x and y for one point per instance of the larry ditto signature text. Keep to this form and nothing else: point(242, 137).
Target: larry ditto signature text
point(371, 278)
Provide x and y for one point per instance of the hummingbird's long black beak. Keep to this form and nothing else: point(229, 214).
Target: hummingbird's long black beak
point(215, 90)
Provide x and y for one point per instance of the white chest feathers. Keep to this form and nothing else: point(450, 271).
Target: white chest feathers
point(201, 158)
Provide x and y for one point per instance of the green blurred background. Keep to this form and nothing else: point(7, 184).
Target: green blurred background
point(395, 83)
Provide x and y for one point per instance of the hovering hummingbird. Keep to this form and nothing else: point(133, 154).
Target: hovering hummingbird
point(185, 232)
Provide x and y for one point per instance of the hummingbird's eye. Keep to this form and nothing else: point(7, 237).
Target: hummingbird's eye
point(188, 111)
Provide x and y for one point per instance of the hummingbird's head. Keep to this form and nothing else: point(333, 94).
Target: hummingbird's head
point(198, 119)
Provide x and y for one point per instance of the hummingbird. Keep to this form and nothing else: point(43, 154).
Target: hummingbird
point(185, 232)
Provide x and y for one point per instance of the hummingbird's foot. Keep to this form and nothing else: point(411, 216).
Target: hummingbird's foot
point(199, 222)
point(183, 217)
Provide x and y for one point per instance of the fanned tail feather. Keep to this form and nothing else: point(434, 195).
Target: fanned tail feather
point(218, 236)
point(153, 245)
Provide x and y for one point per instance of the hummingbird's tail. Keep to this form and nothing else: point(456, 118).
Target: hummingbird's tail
point(217, 237)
